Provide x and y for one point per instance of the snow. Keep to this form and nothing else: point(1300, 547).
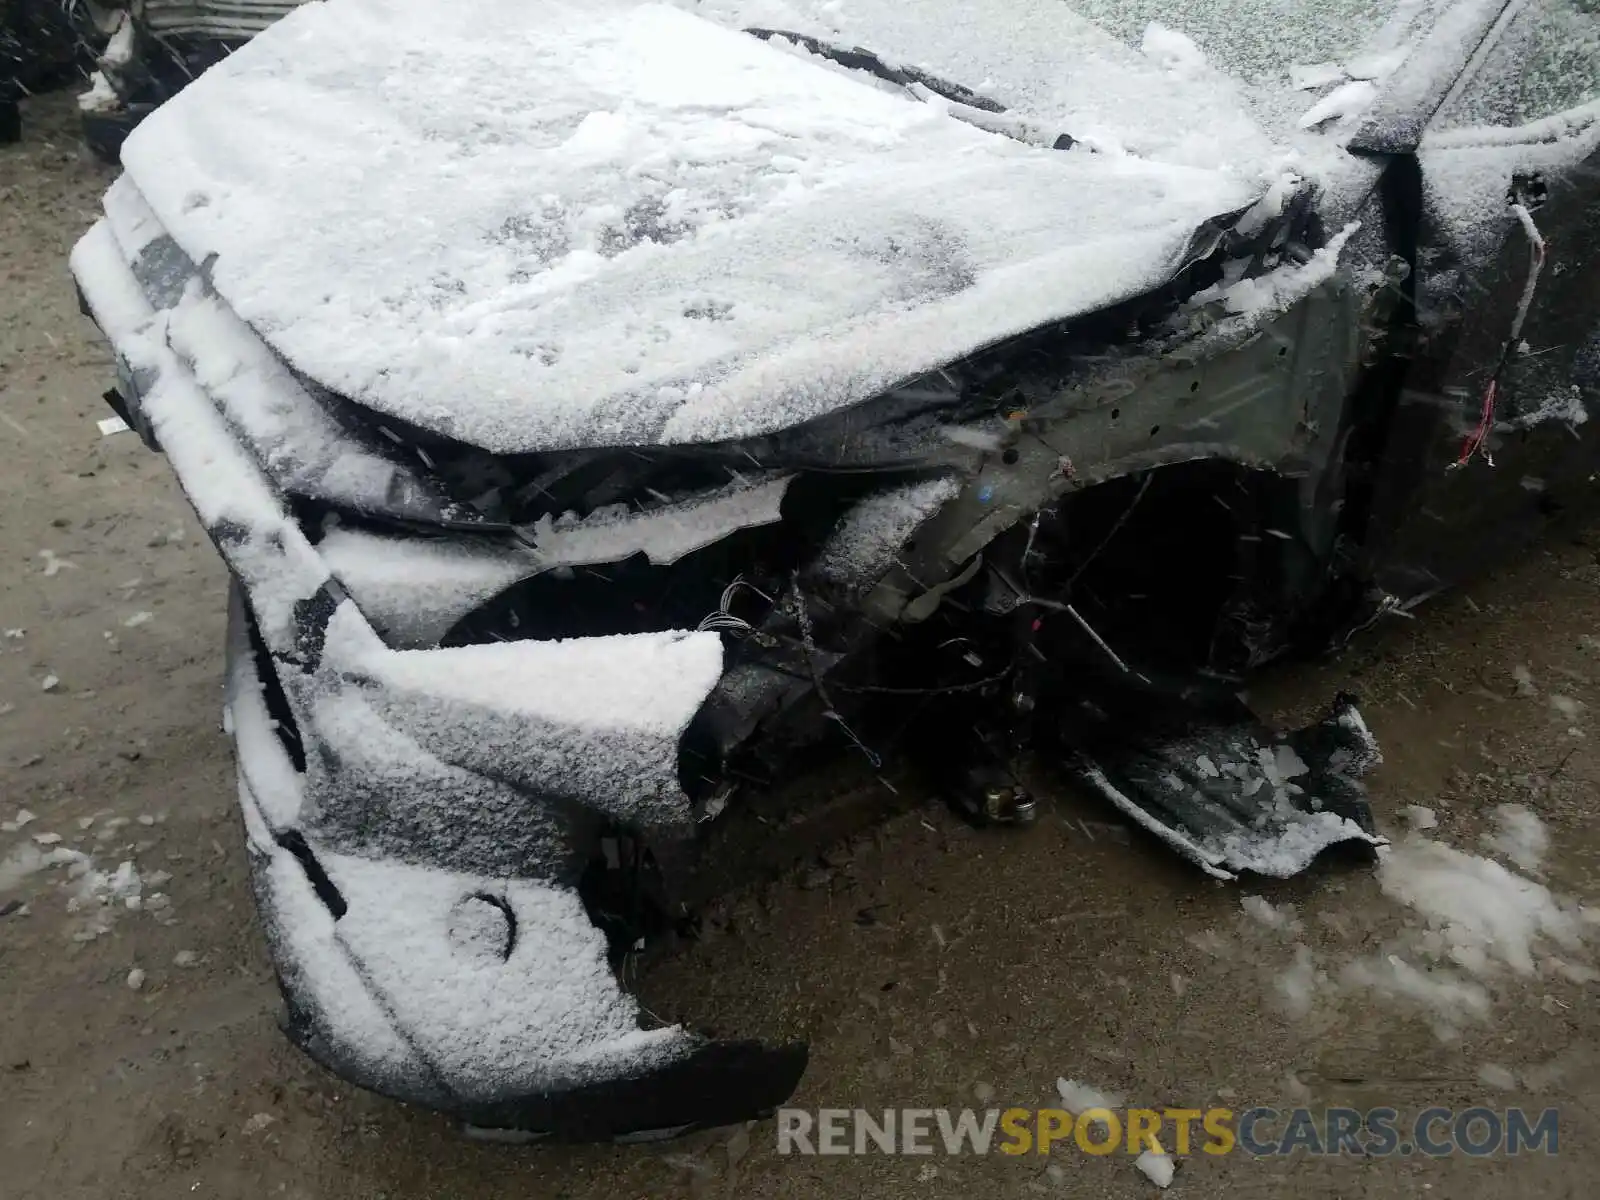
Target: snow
point(414, 589)
point(628, 681)
point(1273, 917)
point(1495, 1076)
point(1074, 66)
point(1541, 63)
point(1157, 1168)
point(1309, 77)
point(316, 968)
point(101, 96)
point(1435, 61)
point(20, 862)
point(1078, 1098)
point(1519, 835)
point(1479, 921)
point(664, 534)
point(1344, 103)
point(1421, 817)
point(667, 282)
point(1258, 299)
point(1567, 408)
point(868, 538)
point(1298, 984)
point(1467, 172)
point(547, 1014)
point(1175, 51)
point(591, 718)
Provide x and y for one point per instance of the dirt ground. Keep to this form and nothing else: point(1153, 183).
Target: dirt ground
point(927, 964)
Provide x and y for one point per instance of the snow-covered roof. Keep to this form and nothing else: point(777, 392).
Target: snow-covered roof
point(534, 224)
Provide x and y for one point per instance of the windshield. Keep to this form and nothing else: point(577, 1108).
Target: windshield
point(1259, 40)
point(1546, 62)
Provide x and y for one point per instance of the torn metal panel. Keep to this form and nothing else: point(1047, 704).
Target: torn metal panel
point(547, 1012)
point(665, 534)
point(1210, 780)
point(288, 429)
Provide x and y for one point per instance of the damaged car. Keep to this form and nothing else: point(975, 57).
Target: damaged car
point(152, 49)
point(606, 410)
point(41, 44)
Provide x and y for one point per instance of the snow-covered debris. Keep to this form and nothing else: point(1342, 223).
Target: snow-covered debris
point(1277, 291)
point(1079, 1098)
point(490, 1021)
point(1519, 835)
point(1270, 207)
point(1345, 102)
point(744, 297)
point(414, 589)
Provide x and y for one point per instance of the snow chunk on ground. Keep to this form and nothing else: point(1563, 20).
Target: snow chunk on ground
point(1079, 1098)
point(1519, 835)
point(1450, 997)
point(1495, 1076)
point(1298, 984)
point(1157, 1168)
point(1479, 914)
point(1421, 817)
point(21, 862)
point(1269, 915)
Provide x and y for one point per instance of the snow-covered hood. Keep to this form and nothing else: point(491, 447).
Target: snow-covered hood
point(534, 225)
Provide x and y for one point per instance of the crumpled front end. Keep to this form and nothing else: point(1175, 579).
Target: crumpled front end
point(418, 820)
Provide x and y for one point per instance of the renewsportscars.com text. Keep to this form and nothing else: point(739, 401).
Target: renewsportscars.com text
point(1262, 1132)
